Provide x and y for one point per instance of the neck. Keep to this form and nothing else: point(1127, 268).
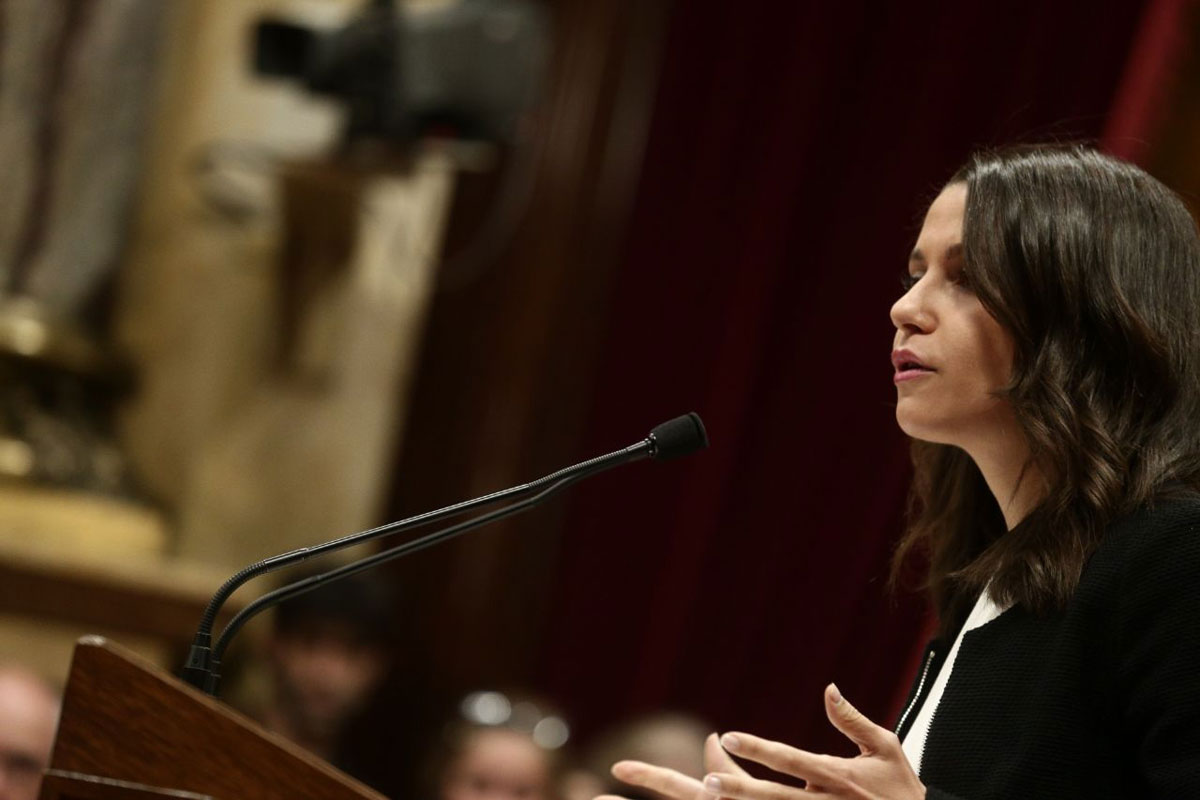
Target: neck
point(1014, 480)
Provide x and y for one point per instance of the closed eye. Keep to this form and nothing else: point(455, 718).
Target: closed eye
point(908, 281)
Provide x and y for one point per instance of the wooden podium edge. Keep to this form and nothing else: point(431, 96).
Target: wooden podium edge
point(84, 728)
point(59, 784)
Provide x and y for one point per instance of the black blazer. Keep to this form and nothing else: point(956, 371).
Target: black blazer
point(1099, 700)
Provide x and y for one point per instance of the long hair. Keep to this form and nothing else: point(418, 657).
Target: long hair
point(1093, 267)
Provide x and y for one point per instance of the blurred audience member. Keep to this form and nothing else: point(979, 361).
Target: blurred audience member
point(327, 654)
point(501, 748)
point(28, 718)
point(667, 738)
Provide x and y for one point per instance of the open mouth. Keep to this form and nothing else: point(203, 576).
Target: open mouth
point(907, 365)
point(910, 366)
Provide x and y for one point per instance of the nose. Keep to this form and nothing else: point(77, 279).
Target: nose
point(911, 312)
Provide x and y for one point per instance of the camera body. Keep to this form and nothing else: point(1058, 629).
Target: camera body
point(468, 71)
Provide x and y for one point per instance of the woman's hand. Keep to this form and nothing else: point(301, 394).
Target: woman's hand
point(880, 772)
point(670, 783)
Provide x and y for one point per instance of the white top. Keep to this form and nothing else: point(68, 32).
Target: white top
point(914, 742)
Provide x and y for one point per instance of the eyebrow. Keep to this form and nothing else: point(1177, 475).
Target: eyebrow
point(953, 251)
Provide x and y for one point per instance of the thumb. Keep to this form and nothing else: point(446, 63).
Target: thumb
point(717, 760)
point(849, 720)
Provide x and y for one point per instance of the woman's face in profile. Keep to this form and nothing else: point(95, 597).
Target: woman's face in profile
point(950, 354)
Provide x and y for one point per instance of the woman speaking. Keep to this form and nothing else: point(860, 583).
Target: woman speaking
point(1047, 368)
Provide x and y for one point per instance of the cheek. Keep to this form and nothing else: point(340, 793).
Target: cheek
point(995, 353)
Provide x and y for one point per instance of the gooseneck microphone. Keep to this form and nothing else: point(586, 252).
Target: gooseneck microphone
point(672, 439)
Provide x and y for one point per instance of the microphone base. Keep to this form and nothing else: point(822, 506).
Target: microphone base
point(197, 670)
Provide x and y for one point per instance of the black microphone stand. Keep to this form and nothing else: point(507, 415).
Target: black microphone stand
point(671, 439)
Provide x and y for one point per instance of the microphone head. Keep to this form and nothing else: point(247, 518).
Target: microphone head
point(678, 437)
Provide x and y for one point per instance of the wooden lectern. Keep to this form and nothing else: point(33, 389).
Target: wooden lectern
point(128, 731)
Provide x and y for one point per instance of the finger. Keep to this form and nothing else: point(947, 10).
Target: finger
point(782, 758)
point(659, 779)
point(717, 760)
point(869, 737)
point(744, 787)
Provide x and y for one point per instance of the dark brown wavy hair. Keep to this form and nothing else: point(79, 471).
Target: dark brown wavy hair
point(1093, 267)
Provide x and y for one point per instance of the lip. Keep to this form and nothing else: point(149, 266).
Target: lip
point(909, 366)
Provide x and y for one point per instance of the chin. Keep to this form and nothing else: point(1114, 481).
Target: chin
point(925, 429)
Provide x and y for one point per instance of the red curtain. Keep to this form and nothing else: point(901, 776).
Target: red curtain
point(793, 150)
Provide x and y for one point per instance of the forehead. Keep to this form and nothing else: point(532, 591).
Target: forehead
point(502, 746)
point(942, 229)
